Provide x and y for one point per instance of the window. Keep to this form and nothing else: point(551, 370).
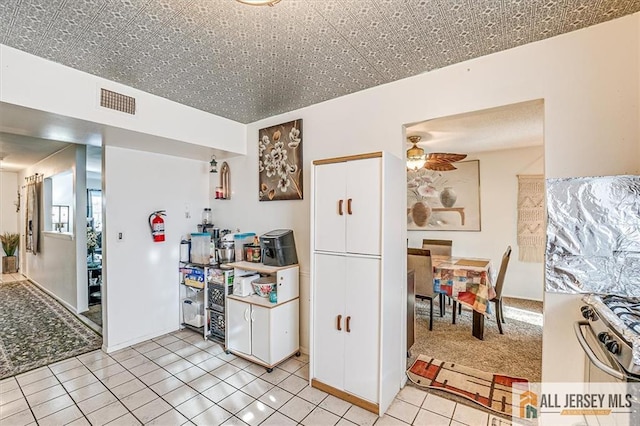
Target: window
point(58, 197)
point(94, 209)
point(60, 218)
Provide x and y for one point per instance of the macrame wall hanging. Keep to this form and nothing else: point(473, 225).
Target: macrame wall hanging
point(531, 218)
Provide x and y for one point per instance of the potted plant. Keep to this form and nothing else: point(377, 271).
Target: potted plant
point(10, 243)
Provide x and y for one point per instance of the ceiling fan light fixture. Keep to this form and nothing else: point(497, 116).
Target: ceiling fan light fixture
point(415, 155)
point(259, 2)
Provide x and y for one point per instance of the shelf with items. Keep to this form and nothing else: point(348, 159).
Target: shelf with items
point(259, 330)
point(205, 288)
point(286, 280)
point(219, 288)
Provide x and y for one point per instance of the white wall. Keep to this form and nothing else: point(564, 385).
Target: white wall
point(588, 80)
point(43, 85)
point(8, 196)
point(141, 280)
point(60, 266)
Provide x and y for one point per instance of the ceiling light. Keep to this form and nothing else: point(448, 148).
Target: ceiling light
point(259, 2)
point(415, 154)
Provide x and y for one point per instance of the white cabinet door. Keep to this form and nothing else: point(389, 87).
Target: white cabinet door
point(261, 333)
point(347, 199)
point(363, 206)
point(362, 327)
point(330, 207)
point(329, 285)
point(239, 326)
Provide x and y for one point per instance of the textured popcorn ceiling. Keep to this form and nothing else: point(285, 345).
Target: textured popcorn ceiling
point(247, 63)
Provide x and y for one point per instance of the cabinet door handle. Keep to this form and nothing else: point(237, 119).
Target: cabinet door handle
point(253, 316)
point(348, 325)
point(349, 206)
point(339, 323)
point(340, 207)
point(246, 315)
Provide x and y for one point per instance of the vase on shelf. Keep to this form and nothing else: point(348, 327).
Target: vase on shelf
point(448, 197)
point(420, 213)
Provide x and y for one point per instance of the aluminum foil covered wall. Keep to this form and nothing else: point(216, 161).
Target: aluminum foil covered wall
point(593, 235)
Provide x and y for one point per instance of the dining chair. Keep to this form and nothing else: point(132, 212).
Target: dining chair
point(420, 261)
point(497, 300)
point(439, 248)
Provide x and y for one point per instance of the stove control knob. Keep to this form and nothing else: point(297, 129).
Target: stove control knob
point(586, 312)
point(604, 337)
point(613, 346)
point(589, 313)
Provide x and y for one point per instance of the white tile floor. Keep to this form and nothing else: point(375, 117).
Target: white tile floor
point(181, 379)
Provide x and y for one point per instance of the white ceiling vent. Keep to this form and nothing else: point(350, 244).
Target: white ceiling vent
point(117, 101)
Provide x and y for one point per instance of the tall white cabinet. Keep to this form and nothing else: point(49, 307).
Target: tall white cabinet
point(357, 352)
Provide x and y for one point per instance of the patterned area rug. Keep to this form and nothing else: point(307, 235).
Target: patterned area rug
point(36, 330)
point(490, 390)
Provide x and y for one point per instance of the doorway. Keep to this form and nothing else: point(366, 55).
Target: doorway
point(94, 235)
point(507, 144)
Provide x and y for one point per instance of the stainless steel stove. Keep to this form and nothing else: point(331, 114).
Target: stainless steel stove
point(610, 336)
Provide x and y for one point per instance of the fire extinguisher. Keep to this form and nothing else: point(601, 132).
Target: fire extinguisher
point(156, 223)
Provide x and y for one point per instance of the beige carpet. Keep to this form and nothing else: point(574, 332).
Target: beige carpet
point(518, 352)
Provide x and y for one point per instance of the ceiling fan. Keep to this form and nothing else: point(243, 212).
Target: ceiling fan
point(438, 161)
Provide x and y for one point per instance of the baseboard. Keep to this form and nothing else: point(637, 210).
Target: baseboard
point(112, 348)
point(62, 302)
point(522, 298)
point(345, 396)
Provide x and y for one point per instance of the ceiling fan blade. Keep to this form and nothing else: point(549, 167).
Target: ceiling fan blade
point(439, 167)
point(440, 157)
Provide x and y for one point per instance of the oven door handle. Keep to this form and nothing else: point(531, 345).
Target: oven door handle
point(577, 327)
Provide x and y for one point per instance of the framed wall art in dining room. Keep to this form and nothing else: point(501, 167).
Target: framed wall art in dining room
point(280, 162)
point(444, 201)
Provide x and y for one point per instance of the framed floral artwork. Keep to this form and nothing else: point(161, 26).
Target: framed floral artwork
point(280, 162)
point(444, 201)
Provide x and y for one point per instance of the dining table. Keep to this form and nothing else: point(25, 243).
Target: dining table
point(469, 281)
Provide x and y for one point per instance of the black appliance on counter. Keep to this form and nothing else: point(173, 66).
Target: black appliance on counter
point(278, 248)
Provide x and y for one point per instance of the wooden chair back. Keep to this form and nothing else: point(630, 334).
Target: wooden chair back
point(438, 247)
point(420, 261)
point(502, 272)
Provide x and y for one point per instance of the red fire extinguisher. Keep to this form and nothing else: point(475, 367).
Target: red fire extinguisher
point(156, 223)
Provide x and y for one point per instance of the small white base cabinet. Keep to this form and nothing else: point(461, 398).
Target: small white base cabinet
point(357, 313)
point(260, 331)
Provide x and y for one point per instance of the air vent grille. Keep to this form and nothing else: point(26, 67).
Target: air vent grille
point(117, 101)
